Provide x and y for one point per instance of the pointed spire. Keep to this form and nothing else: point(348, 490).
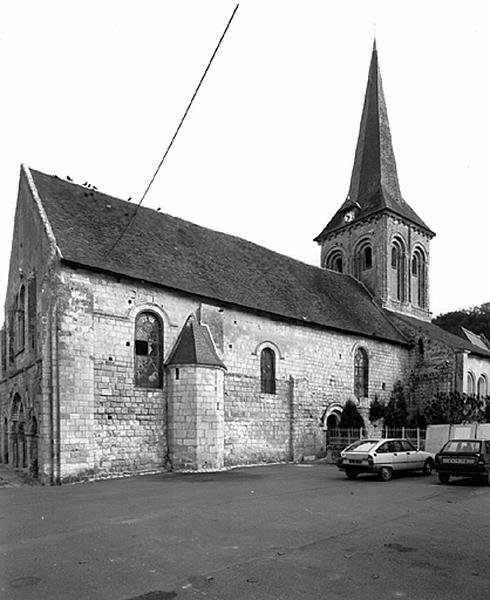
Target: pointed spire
point(374, 182)
point(374, 169)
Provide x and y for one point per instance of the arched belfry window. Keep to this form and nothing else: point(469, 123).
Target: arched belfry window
point(363, 258)
point(470, 383)
point(335, 261)
point(148, 350)
point(398, 266)
point(361, 373)
point(267, 371)
point(419, 278)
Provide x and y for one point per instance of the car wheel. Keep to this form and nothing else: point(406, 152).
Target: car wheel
point(485, 479)
point(386, 473)
point(444, 477)
point(351, 473)
point(428, 466)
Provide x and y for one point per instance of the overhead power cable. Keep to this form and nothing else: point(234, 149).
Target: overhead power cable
point(128, 224)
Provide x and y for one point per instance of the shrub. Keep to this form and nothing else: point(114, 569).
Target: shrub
point(396, 414)
point(377, 410)
point(350, 417)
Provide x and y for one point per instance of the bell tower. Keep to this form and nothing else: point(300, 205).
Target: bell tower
point(375, 235)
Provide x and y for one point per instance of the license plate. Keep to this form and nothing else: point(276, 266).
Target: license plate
point(464, 461)
point(354, 461)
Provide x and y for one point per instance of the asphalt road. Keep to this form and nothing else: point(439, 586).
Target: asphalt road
point(274, 532)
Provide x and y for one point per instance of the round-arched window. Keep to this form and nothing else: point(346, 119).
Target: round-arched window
point(148, 351)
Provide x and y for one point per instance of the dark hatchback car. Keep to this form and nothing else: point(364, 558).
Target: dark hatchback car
point(463, 458)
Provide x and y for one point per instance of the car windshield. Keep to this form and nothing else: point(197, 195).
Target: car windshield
point(362, 446)
point(462, 446)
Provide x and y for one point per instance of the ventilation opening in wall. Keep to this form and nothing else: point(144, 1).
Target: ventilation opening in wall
point(177, 374)
point(383, 386)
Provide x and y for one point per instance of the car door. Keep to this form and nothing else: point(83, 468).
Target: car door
point(390, 454)
point(413, 458)
point(400, 461)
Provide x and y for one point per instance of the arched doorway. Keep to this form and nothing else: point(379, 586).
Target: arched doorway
point(17, 437)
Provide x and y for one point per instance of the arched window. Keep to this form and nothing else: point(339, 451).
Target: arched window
point(419, 278)
point(21, 318)
point(398, 265)
point(363, 258)
point(361, 373)
point(31, 312)
point(267, 371)
point(367, 258)
point(482, 386)
point(148, 351)
point(470, 383)
point(335, 262)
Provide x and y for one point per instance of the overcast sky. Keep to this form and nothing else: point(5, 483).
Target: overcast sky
point(95, 90)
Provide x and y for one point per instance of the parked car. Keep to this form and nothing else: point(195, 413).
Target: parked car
point(384, 457)
point(463, 458)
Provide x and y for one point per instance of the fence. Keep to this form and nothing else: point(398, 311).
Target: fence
point(343, 437)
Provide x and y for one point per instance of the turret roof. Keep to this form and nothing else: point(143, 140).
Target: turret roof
point(194, 346)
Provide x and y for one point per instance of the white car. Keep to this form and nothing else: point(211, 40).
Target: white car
point(384, 456)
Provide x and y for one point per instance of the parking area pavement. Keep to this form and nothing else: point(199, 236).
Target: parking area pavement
point(272, 532)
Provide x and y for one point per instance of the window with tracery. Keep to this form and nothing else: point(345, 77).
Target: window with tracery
point(361, 373)
point(148, 351)
point(267, 371)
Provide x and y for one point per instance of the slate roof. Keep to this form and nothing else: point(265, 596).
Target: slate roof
point(171, 252)
point(374, 185)
point(194, 346)
point(437, 333)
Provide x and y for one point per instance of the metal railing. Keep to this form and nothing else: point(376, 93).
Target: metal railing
point(344, 437)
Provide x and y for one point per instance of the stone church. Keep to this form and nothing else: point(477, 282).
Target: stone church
point(186, 348)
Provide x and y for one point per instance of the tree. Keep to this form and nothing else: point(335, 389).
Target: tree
point(377, 410)
point(396, 414)
point(456, 408)
point(477, 319)
point(350, 417)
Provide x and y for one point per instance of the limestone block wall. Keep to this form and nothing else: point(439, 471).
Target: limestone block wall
point(196, 417)
point(109, 426)
point(380, 279)
point(314, 369)
point(434, 368)
point(27, 367)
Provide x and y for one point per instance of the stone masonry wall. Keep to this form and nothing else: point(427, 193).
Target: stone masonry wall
point(433, 368)
point(110, 427)
point(28, 371)
point(196, 417)
point(314, 369)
